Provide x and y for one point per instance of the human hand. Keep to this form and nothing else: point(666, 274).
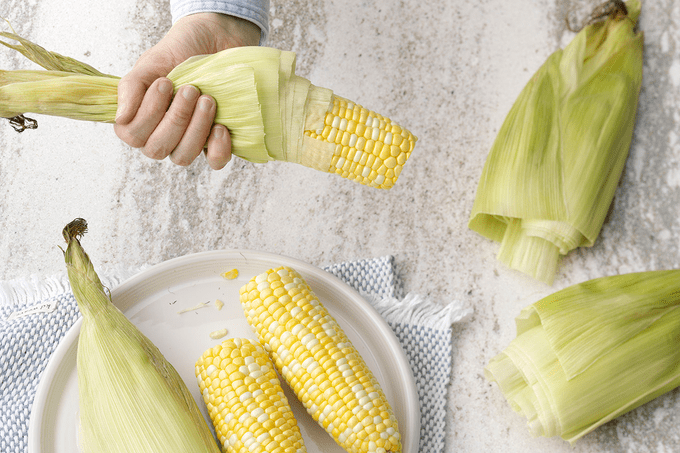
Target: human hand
point(148, 116)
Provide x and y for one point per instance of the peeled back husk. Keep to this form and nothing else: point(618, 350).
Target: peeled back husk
point(271, 113)
point(552, 172)
point(131, 400)
point(592, 352)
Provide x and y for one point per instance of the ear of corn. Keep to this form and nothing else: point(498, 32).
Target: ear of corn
point(245, 400)
point(271, 113)
point(318, 361)
point(130, 398)
point(592, 352)
point(553, 170)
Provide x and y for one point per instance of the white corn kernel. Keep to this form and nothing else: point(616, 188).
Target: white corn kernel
point(340, 163)
point(388, 138)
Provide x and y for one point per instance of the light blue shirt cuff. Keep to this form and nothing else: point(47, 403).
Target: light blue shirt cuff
point(255, 11)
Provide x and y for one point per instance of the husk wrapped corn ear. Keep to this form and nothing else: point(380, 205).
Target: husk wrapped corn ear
point(271, 113)
point(592, 352)
point(131, 400)
point(553, 169)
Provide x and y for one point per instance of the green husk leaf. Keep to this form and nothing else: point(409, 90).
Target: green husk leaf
point(287, 63)
point(8, 77)
point(296, 94)
point(554, 167)
point(592, 352)
point(49, 60)
point(75, 96)
point(626, 305)
point(131, 399)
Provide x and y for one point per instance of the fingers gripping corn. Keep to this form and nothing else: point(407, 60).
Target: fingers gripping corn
point(247, 406)
point(319, 362)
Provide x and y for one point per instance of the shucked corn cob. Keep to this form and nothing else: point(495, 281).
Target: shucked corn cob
point(245, 399)
point(319, 362)
point(271, 113)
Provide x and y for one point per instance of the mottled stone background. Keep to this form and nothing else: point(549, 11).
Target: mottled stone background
point(449, 71)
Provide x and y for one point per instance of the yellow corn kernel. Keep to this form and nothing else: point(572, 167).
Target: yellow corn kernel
point(230, 275)
point(390, 162)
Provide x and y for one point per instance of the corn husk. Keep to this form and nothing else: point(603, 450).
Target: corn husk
point(269, 110)
point(553, 169)
point(131, 400)
point(249, 80)
point(592, 352)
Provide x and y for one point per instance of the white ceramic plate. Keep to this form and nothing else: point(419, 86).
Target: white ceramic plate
point(152, 300)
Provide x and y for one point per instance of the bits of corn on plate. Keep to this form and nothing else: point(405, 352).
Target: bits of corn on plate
point(153, 299)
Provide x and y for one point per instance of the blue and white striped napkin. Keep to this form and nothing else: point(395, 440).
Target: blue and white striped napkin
point(27, 341)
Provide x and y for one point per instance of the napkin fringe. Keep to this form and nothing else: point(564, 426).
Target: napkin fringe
point(419, 310)
point(25, 291)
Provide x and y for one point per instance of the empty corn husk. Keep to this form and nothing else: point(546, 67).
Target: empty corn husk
point(271, 113)
point(131, 400)
point(552, 172)
point(592, 352)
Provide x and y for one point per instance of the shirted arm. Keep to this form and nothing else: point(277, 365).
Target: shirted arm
point(255, 11)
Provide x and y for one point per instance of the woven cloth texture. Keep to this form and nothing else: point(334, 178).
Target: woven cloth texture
point(423, 329)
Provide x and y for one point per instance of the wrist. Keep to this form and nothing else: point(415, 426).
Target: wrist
point(229, 31)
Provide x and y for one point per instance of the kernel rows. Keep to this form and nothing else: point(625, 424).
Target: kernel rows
point(370, 148)
point(319, 362)
point(245, 400)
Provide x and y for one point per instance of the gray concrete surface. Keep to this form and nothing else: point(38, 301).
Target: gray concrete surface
point(449, 71)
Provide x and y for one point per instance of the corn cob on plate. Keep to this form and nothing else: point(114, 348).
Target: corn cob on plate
point(152, 300)
point(315, 357)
